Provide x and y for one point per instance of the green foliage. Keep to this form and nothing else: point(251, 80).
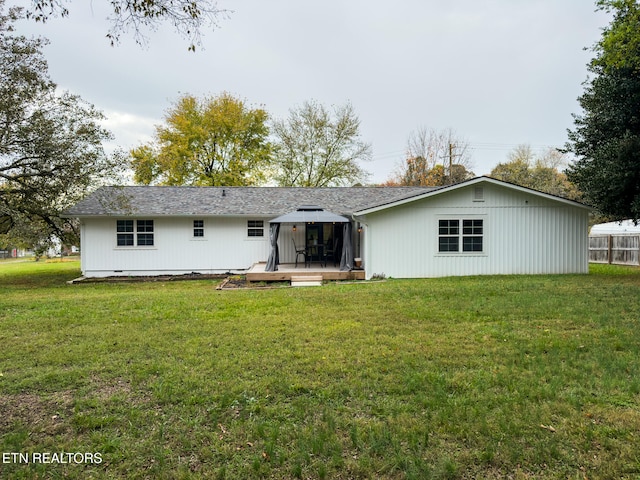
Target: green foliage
point(606, 138)
point(538, 173)
point(51, 144)
point(619, 46)
point(317, 149)
point(479, 377)
point(32, 234)
point(214, 141)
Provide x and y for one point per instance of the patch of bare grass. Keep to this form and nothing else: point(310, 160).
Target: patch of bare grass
point(40, 417)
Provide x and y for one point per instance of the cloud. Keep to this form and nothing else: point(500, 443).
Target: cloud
point(128, 129)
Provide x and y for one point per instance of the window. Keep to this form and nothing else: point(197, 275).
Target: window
point(145, 233)
point(198, 228)
point(125, 233)
point(472, 235)
point(255, 228)
point(451, 237)
point(128, 236)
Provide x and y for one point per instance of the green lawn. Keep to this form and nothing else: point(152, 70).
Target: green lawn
point(479, 377)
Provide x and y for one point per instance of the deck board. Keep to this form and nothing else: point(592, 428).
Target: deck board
point(286, 271)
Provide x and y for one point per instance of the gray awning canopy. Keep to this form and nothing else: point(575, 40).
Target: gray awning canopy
point(310, 214)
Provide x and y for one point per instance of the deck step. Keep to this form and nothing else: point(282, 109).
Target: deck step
point(306, 281)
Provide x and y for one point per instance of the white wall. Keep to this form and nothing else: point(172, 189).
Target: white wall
point(523, 233)
point(225, 247)
point(287, 252)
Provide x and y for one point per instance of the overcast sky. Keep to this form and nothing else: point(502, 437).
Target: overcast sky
point(499, 72)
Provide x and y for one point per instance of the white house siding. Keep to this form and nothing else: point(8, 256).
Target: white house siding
point(224, 247)
point(523, 234)
point(285, 245)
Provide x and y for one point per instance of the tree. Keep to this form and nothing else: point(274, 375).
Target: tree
point(606, 137)
point(434, 159)
point(620, 43)
point(188, 17)
point(317, 149)
point(541, 173)
point(50, 143)
point(214, 141)
point(31, 234)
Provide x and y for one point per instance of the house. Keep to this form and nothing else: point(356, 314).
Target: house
point(481, 226)
point(623, 227)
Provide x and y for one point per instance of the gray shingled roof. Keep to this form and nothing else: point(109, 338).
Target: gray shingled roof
point(233, 201)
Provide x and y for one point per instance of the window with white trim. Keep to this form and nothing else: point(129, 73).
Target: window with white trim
point(131, 233)
point(198, 228)
point(460, 235)
point(125, 235)
point(255, 228)
point(448, 235)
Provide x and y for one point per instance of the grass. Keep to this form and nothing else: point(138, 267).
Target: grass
point(454, 378)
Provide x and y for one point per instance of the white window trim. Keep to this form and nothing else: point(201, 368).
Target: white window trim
point(264, 229)
point(460, 252)
point(203, 228)
point(135, 232)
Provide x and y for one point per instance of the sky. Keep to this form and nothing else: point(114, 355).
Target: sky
point(500, 73)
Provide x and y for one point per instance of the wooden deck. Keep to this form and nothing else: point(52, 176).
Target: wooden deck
point(287, 270)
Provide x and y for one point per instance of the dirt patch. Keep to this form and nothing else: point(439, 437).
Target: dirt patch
point(104, 391)
point(150, 278)
point(41, 416)
point(235, 282)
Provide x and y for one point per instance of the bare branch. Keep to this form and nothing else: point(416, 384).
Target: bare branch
point(188, 17)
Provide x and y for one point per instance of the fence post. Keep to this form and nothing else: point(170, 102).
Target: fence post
point(610, 249)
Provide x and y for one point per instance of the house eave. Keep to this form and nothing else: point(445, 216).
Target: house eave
point(173, 215)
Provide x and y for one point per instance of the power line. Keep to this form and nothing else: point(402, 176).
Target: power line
point(508, 146)
point(475, 146)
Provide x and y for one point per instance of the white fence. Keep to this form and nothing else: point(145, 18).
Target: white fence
point(616, 249)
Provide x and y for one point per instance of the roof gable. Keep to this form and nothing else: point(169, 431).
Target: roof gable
point(467, 183)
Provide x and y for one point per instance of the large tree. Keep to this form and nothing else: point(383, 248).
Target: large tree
point(51, 143)
point(316, 147)
point(606, 138)
point(213, 141)
point(434, 158)
point(538, 172)
point(188, 17)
